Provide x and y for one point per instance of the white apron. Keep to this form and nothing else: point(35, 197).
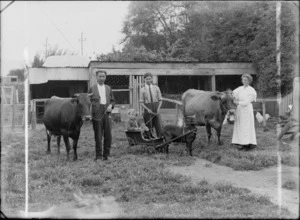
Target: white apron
point(244, 128)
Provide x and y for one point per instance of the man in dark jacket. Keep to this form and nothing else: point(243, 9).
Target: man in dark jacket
point(101, 110)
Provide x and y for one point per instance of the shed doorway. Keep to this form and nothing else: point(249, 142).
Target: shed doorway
point(173, 87)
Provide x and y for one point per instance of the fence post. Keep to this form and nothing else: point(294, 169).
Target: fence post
point(13, 107)
point(33, 116)
point(177, 111)
point(264, 113)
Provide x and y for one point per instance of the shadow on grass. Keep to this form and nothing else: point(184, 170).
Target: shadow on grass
point(263, 156)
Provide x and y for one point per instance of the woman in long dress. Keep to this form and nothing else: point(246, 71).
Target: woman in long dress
point(244, 129)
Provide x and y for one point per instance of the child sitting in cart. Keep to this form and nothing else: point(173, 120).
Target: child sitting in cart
point(136, 123)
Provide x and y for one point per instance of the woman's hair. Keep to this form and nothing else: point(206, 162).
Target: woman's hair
point(248, 76)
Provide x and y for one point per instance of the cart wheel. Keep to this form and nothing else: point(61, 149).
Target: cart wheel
point(160, 149)
point(145, 149)
point(164, 148)
point(130, 141)
point(150, 150)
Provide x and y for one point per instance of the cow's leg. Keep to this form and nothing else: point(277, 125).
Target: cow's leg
point(48, 141)
point(67, 143)
point(75, 141)
point(58, 144)
point(218, 127)
point(219, 135)
point(189, 148)
point(166, 149)
point(189, 144)
point(208, 131)
point(167, 137)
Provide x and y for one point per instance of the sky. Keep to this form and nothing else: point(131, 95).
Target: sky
point(26, 25)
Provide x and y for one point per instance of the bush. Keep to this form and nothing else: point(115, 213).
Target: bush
point(290, 184)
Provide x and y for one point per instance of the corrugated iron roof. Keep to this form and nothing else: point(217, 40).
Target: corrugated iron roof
point(66, 61)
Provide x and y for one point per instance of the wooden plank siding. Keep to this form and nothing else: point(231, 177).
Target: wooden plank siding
point(165, 72)
point(136, 70)
point(170, 72)
point(167, 65)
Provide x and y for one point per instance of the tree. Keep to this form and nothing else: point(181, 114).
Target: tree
point(38, 61)
point(17, 72)
point(154, 25)
point(213, 32)
point(55, 50)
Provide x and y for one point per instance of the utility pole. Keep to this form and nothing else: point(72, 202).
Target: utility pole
point(81, 41)
point(46, 45)
point(278, 75)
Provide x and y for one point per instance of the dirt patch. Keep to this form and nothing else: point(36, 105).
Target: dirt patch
point(265, 182)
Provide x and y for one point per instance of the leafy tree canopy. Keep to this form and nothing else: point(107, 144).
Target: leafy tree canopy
point(55, 50)
point(213, 32)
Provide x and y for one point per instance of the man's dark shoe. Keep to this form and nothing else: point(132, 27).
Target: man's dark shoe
point(97, 158)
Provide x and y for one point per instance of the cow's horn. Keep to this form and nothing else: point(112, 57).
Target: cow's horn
point(90, 94)
point(76, 95)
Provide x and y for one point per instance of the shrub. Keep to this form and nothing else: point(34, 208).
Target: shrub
point(290, 184)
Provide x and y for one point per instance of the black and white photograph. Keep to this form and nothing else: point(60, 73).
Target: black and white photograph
point(149, 109)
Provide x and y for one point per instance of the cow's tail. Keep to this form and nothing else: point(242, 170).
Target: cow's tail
point(183, 99)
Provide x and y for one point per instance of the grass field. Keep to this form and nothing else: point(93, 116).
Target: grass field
point(136, 178)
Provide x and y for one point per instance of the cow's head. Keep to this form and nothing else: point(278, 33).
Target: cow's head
point(230, 116)
point(83, 101)
point(226, 99)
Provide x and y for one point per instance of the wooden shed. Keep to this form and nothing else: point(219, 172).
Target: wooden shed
point(65, 75)
point(173, 78)
point(61, 76)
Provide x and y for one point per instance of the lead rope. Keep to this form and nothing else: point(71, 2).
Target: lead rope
point(150, 119)
point(148, 122)
point(96, 119)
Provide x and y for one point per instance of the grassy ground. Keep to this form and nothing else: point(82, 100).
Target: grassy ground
point(265, 155)
point(136, 178)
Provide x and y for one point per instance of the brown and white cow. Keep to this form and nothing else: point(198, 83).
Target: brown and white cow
point(209, 108)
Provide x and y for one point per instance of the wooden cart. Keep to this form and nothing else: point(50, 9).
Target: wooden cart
point(136, 138)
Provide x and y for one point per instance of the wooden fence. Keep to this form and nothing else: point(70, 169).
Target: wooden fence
point(12, 112)
point(285, 102)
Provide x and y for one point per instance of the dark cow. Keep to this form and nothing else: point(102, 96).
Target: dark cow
point(209, 108)
point(65, 117)
point(170, 132)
